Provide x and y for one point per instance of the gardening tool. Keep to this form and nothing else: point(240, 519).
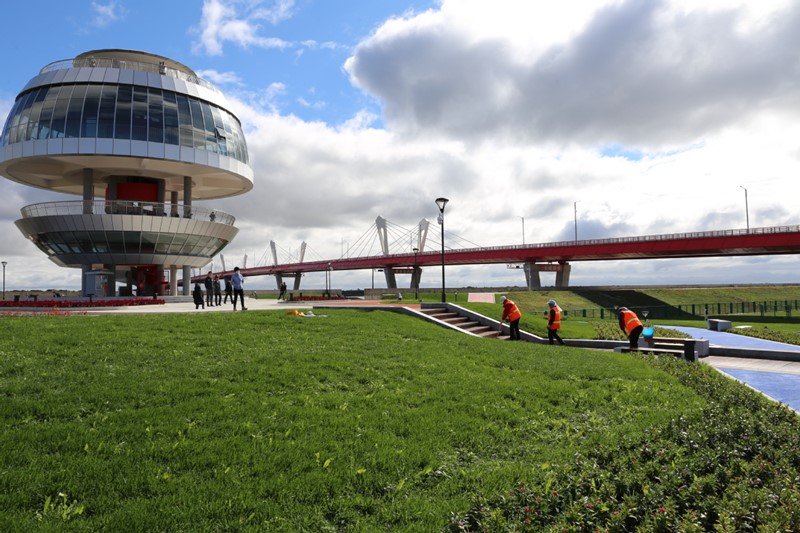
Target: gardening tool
point(648, 331)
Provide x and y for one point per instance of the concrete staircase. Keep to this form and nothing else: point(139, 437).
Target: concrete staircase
point(459, 318)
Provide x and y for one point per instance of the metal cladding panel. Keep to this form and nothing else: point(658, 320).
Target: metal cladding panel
point(187, 154)
point(40, 147)
point(70, 146)
point(126, 77)
point(172, 151)
point(59, 77)
point(55, 146)
point(111, 75)
point(97, 75)
point(83, 75)
point(104, 146)
point(71, 75)
point(154, 79)
point(28, 148)
point(139, 78)
point(156, 150)
point(122, 147)
point(139, 148)
point(87, 146)
point(168, 83)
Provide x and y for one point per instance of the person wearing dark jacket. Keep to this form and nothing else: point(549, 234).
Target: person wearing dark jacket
point(209, 283)
point(197, 294)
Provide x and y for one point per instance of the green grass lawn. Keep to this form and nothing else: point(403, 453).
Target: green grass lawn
point(353, 421)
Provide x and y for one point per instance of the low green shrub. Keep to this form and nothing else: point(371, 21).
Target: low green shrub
point(730, 466)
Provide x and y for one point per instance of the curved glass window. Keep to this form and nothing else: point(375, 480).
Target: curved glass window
point(92, 110)
point(132, 242)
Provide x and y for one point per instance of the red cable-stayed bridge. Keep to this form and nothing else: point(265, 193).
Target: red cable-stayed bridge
point(534, 258)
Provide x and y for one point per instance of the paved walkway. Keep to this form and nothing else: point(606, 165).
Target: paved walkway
point(780, 380)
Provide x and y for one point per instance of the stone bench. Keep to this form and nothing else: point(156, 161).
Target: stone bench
point(717, 324)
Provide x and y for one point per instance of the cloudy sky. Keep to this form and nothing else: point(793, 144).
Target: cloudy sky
point(629, 117)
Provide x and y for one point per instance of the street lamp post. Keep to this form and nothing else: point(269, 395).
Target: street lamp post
point(575, 207)
point(441, 203)
point(746, 208)
point(523, 230)
point(414, 278)
point(4, 279)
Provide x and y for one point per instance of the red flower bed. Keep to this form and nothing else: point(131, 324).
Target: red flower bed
point(316, 298)
point(82, 303)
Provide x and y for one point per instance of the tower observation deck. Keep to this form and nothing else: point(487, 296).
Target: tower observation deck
point(138, 137)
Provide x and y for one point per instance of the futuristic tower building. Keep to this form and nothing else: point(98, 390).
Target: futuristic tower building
point(139, 138)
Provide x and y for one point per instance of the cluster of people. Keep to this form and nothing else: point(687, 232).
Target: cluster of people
point(629, 322)
point(234, 289)
point(512, 313)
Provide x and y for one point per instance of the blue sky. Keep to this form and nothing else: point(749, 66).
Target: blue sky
point(649, 117)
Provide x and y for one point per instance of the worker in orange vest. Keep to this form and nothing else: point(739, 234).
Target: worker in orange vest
point(511, 313)
point(554, 322)
point(630, 324)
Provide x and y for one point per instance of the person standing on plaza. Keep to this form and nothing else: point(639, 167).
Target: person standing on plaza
point(630, 324)
point(209, 284)
point(197, 294)
point(217, 291)
point(228, 289)
point(237, 280)
point(282, 295)
point(554, 322)
point(511, 313)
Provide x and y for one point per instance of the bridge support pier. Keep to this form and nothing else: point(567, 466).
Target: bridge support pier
point(416, 274)
point(534, 282)
point(532, 279)
point(295, 286)
point(562, 275)
point(391, 281)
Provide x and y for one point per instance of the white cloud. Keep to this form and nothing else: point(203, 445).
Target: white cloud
point(105, 14)
point(510, 122)
point(220, 78)
point(222, 22)
point(506, 107)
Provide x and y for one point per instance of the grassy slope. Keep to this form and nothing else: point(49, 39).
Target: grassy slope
point(355, 421)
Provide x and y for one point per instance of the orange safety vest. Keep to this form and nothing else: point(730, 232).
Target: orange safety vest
point(630, 320)
point(511, 311)
point(557, 320)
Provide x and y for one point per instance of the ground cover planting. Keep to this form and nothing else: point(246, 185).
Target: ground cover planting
point(59, 303)
point(356, 421)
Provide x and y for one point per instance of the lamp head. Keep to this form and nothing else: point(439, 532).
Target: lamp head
point(441, 202)
point(415, 250)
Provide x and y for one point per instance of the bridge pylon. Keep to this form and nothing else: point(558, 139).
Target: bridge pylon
point(280, 275)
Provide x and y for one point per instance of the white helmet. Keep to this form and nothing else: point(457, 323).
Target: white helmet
point(503, 299)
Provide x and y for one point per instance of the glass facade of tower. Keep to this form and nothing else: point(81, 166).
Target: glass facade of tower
point(124, 112)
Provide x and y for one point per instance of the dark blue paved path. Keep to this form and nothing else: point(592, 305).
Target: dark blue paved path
point(732, 340)
point(781, 386)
